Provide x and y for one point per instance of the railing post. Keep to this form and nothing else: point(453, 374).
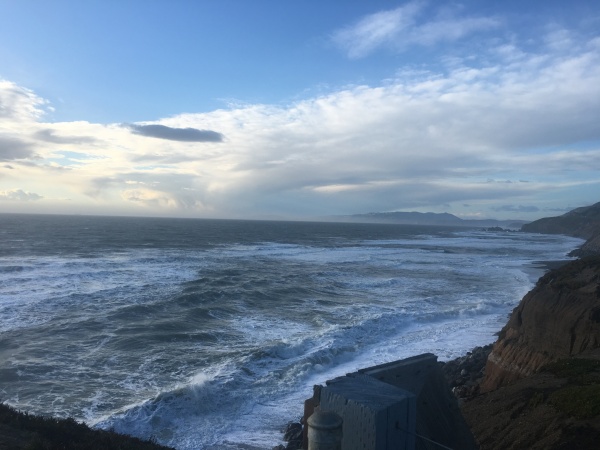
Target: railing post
point(324, 431)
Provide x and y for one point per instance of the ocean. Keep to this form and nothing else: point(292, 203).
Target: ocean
point(209, 334)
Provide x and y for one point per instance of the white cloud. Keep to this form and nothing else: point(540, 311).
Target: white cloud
point(377, 29)
point(450, 29)
point(18, 103)
point(417, 141)
point(19, 195)
point(406, 26)
point(149, 197)
point(560, 39)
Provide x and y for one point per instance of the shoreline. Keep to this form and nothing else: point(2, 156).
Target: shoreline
point(465, 374)
point(533, 268)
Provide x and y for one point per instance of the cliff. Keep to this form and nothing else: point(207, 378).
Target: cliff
point(428, 219)
point(559, 318)
point(541, 384)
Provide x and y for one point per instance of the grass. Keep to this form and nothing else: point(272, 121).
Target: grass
point(581, 402)
point(580, 398)
point(576, 370)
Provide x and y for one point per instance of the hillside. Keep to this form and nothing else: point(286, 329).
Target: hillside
point(559, 318)
point(429, 218)
point(581, 222)
point(25, 431)
point(557, 408)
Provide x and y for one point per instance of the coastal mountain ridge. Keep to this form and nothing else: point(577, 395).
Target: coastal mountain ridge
point(581, 222)
point(429, 218)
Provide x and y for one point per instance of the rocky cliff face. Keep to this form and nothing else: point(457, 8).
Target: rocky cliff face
point(559, 318)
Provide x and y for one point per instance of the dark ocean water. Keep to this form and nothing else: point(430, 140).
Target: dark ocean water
point(210, 333)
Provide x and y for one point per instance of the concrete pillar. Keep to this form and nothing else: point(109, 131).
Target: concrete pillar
point(324, 431)
point(309, 410)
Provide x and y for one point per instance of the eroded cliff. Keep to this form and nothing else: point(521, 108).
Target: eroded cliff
point(559, 318)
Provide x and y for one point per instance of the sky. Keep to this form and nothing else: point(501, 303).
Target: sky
point(299, 109)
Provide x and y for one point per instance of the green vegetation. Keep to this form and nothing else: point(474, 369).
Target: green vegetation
point(536, 399)
point(581, 402)
point(576, 370)
point(580, 398)
point(25, 431)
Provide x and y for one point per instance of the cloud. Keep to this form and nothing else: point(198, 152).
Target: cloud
point(428, 138)
point(13, 149)
point(421, 140)
point(175, 134)
point(516, 208)
point(561, 210)
point(376, 29)
point(151, 189)
point(450, 29)
point(18, 103)
point(149, 197)
point(49, 135)
point(166, 158)
point(19, 195)
point(400, 28)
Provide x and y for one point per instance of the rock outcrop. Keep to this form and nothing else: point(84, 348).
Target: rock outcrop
point(559, 318)
point(464, 374)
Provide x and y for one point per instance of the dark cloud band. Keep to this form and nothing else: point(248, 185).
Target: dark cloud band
point(48, 135)
point(176, 134)
point(517, 208)
point(12, 149)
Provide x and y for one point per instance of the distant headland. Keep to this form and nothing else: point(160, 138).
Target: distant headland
point(429, 219)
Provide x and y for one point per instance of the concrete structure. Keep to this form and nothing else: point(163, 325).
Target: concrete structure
point(324, 431)
point(402, 405)
point(438, 417)
point(376, 415)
